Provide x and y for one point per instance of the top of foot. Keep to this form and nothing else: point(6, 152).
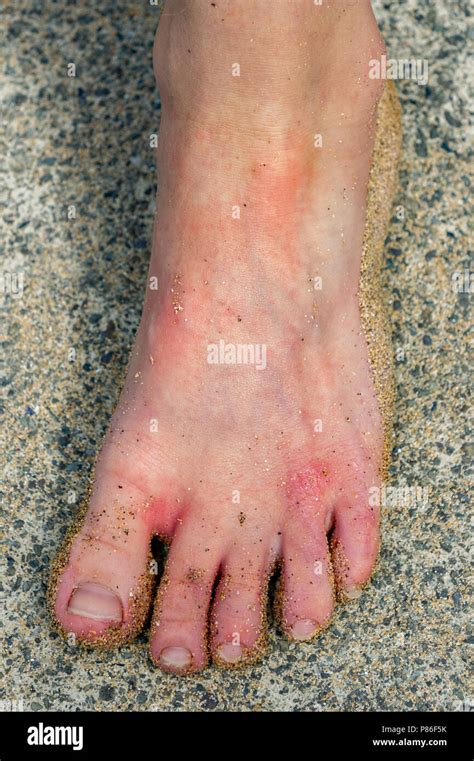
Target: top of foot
point(248, 430)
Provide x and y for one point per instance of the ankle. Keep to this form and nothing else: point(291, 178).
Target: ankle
point(240, 66)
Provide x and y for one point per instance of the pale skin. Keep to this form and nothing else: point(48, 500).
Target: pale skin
point(257, 240)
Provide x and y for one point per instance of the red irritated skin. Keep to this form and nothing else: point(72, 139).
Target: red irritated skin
point(248, 431)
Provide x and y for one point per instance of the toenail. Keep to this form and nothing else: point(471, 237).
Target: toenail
point(175, 657)
point(353, 593)
point(96, 602)
point(303, 629)
point(230, 653)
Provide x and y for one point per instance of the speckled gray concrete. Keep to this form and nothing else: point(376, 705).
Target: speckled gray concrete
point(82, 143)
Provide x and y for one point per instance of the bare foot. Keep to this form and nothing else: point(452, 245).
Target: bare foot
point(248, 429)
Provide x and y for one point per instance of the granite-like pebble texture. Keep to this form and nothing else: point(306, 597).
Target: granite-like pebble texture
point(77, 200)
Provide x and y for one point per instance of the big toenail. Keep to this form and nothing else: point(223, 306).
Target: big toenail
point(95, 601)
point(230, 653)
point(175, 657)
point(303, 629)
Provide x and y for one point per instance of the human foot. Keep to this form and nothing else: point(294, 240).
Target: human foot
point(248, 429)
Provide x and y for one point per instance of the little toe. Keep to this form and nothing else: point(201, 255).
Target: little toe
point(355, 544)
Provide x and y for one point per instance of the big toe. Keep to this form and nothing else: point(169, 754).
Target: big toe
point(101, 584)
point(96, 602)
